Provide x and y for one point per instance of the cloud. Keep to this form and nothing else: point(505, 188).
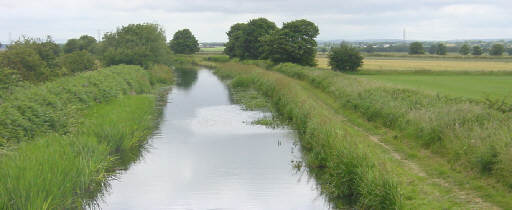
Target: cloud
point(209, 20)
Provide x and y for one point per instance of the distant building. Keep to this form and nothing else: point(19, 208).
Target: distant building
point(3, 47)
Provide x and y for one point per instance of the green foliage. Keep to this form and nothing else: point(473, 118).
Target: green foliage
point(52, 107)
point(33, 59)
point(465, 49)
point(218, 58)
point(135, 44)
point(245, 38)
point(9, 80)
point(78, 61)
point(294, 42)
point(497, 50)
point(67, 172)
point(441, 49)
point(345, 58)
point(416, 48)
point(85, 42)
point(477, 50)
point(184, 42)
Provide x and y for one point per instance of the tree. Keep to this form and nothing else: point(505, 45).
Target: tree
point(294, 42)
point(497, 50)
point(78, 61)
point(245, 39)
point(71, 46)
point(184, 42)
point(345, 58)
point(85, 42)
point(477, 50)
point(433, 49)
point(135, 44)
point(509, 51)
point(234, 47)
point(464, 49)
point(416, 48)
point(441, 49)
point(33, 59)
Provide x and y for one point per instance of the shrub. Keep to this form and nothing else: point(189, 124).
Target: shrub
point(78, 61)
point(345, 58)
point(135, 44)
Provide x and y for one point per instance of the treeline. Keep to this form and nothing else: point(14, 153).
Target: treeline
point(417, 48)
point(34, 60)
point(262, 39)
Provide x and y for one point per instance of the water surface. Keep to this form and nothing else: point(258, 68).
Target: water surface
point(207, 155)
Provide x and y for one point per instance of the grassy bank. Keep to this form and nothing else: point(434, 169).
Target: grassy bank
point(67, 168)
point(52, 107)
point(471, 136)
point(352, 168)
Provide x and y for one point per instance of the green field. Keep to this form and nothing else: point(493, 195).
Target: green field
point(471, 86)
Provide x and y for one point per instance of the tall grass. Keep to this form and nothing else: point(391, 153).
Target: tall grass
point(52, 107)
point(60, 172)
point(82, 129)
point(348, 166)
point(471, 135)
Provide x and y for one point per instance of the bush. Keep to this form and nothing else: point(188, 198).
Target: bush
point(34, 60)
point(345, 58)
point(78, 61)
point(135, 44)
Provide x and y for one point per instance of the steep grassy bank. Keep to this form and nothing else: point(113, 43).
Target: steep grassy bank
point(67, 168)
point(351, 167)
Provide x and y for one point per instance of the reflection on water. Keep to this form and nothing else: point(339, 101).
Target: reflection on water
point(208, 156)
point(185, 78)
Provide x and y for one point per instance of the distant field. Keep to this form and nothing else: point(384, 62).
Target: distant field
point(471, 86)
point(421, 64)
point(212, 49)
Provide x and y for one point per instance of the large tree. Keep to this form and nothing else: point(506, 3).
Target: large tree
point(294, 42)
point(245, 38)
point(184, 42)
point(416, 48)
point(135, 44)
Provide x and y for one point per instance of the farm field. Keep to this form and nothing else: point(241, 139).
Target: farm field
point(428, 64)
point(471, 86)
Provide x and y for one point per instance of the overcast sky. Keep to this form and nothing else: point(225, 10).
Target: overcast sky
point(210, 19)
